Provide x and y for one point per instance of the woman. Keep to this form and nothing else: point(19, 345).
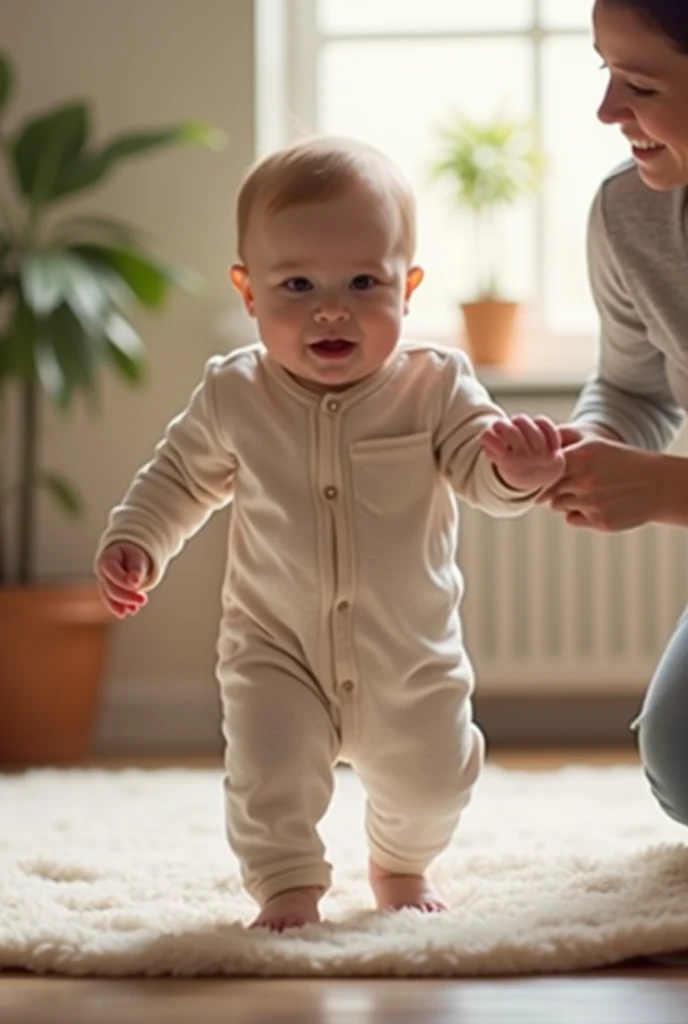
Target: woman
point(617, 475)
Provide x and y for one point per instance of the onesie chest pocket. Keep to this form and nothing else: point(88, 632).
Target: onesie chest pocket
point(392, 474)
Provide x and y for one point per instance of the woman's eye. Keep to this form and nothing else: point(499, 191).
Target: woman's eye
point(362, 282)
point(298, 284)
point(637, 90)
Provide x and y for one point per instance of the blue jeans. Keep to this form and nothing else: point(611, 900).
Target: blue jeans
point(662, 727)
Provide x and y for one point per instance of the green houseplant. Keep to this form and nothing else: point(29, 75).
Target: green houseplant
point(68, 286)
point(490, 165)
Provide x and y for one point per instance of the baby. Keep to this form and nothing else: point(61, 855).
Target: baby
point(343, 452)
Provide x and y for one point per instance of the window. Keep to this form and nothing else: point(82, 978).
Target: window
point(392, 71)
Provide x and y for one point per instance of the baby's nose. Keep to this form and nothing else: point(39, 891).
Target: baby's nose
point(331, 311)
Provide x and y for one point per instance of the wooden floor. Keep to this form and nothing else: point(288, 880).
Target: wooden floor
point(636, 994)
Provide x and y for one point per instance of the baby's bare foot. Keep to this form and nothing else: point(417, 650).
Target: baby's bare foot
point(393, 892)
point(290, 909)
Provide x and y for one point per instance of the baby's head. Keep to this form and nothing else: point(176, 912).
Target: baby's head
point(326, 237)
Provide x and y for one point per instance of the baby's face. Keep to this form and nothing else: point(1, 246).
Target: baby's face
point(328, 283)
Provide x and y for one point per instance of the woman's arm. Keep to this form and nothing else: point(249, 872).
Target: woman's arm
point(629, 392)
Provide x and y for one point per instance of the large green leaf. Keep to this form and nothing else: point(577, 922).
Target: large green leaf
point(116, 292)
point(78, 353)
point(44, 276)
point(148, 278)
point(9, 219)
point(47, 147)
point(62, 492)
point(126, 349)
point(97, 229)
point(90, 168)
point(194, 133)
point(52, 277)
point(5, 80)
point(50, 375)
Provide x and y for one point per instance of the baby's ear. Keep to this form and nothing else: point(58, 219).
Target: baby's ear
point(414, 276)
point(238, 275)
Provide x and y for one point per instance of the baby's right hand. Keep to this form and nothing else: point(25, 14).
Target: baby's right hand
point(121, 572)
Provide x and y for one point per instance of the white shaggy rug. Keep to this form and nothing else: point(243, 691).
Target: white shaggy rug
point(127, 873)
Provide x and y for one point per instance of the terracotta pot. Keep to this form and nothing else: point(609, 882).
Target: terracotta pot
point(490, 331)
point(53, 643)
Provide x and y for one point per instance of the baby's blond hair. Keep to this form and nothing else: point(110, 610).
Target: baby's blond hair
point(322, 168)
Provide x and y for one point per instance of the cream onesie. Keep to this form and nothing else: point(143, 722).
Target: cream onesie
point(340, 635)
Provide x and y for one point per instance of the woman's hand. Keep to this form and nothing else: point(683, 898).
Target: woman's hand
point(526, 452)
point(607, 486)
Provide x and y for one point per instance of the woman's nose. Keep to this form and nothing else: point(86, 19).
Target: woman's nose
point(611, 110)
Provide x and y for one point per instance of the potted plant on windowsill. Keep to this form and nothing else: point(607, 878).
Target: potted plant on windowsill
point(67, 288)
point(491, 165)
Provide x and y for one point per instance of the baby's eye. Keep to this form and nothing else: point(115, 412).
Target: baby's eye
point(297, 284)
point(363, 282)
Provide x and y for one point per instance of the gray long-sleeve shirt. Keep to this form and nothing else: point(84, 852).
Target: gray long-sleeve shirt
point(638, 264)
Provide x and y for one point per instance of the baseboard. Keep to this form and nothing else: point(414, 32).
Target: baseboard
point(184, 718)
point(588, 719)
point(160, 718)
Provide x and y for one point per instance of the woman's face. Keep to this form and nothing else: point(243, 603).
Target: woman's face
point(647, 93)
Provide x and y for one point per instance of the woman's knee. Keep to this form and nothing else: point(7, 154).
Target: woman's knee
point(662, 728)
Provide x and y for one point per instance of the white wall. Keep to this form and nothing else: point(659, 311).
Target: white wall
point(148, 62)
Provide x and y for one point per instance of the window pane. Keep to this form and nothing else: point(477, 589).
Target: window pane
point(427, 15)
point(580, 152)
point(566, 13)
point(395, 95)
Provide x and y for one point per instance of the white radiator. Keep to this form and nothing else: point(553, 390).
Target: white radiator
point(550, 607)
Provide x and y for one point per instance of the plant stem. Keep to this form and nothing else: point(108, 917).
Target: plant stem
point(27, 470)
point(480, 254)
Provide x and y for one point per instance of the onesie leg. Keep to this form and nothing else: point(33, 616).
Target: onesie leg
point(418, 778)
point(281, 745)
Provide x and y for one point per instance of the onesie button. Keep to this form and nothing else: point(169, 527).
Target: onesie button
point(330, 493)
point(347, 686)
point(332, 405)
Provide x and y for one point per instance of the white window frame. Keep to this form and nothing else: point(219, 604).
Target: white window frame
point(288, 44)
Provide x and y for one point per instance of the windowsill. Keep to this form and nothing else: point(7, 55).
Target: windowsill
point(523, 382)
point(553, 365)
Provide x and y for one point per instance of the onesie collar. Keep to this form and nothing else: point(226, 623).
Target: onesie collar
point(347, 397)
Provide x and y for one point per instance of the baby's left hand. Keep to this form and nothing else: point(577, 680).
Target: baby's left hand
point(526, 452)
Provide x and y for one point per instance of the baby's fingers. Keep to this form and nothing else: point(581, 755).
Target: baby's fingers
point(124, 565)
point(121, 600)
point(533, 439)
point(510, 436)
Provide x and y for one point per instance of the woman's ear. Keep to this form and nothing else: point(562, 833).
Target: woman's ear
point(238, 275)
point(414, 276)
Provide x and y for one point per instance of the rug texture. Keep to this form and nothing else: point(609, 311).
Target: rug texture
point(128, 873)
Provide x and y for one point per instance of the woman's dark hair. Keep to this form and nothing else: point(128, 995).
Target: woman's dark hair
point(670, 17)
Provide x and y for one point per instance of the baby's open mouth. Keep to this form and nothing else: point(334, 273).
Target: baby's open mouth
point(333, 348)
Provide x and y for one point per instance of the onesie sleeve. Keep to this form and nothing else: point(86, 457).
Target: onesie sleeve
point(190, 475)
point(466, 411)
